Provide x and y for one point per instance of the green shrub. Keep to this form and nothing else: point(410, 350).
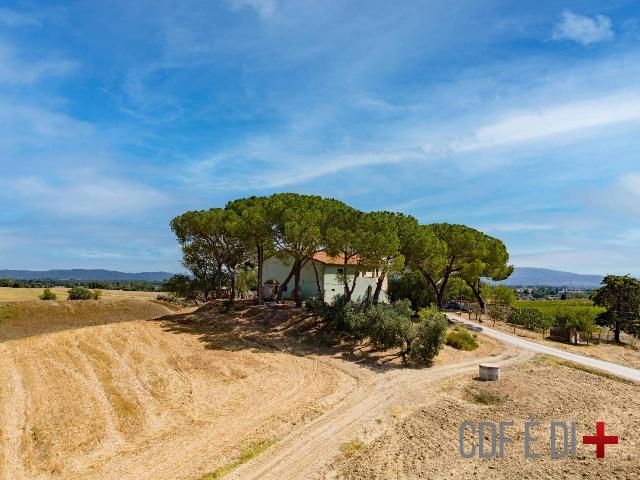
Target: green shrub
point(81, 293)
point(429, 334)
point(461, 339)
point(48, 294)
point(388, 327)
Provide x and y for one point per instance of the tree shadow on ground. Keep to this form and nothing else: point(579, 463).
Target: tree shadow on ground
point(269, 329)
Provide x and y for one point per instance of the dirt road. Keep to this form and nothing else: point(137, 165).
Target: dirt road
point(615, 369)
point(304, 453)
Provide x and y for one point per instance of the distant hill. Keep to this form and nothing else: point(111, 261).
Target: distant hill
point(528, 276)
point(82, 274)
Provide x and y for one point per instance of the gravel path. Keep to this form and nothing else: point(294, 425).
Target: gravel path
point(614, 368)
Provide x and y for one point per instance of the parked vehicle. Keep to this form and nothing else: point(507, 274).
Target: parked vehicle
point(451, 305)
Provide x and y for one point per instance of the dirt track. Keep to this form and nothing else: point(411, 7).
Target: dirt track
point(305, 453)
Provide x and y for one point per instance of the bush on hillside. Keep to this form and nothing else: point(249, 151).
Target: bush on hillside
point(389, 327)
point(428, 335)
point(48, 294)
point(460, 338)
point(81, 293)
point(386, 326)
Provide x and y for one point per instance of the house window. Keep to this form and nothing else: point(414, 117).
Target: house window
point(340, 271)
point(377, 273)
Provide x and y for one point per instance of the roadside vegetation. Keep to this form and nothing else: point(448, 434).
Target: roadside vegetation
point(246, 454)
point(460, 338)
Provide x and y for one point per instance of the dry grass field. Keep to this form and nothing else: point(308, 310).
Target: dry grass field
point(87, 392)
point(127, 389)
point(8, 294)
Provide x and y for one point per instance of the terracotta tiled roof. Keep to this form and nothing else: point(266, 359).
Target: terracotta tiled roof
point(324, 258)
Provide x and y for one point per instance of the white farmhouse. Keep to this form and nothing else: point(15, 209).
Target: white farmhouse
point(330, 272)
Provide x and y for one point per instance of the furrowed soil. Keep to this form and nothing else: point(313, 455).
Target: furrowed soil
point(102, 390)
point(423, 443)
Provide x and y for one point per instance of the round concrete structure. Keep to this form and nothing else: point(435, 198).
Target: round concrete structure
point(489, 371)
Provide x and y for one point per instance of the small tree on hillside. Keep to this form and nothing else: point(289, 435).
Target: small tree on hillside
point(500, 299)
point(620, 295)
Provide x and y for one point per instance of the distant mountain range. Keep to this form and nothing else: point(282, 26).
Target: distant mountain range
point(82, 274)
point(543, 277)
point(523, 276)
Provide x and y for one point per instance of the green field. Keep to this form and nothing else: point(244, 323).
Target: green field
point(550, 306)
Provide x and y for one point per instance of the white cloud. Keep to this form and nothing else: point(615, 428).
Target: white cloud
point(87, 194)
point(554, 120)
point(16, 71)
point(583, 29)
point(264, 8)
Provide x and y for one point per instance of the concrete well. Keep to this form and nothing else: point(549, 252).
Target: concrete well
point(489, 371)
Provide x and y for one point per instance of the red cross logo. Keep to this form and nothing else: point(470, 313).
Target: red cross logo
point(600, 439)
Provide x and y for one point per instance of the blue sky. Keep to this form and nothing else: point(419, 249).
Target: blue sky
point(518, 118)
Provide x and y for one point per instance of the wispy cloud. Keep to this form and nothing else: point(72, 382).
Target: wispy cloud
point(583, 29)
point(87, 194)
point(521, 126)
point(17, 71)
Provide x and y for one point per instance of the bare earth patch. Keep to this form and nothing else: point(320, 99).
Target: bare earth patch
point(423, 443)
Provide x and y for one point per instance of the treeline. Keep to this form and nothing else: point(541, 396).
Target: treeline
point(615, 305)
point(220, 243)
point(131, 286)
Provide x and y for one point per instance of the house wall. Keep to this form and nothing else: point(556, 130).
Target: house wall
point(330, 280)
point(276, 269)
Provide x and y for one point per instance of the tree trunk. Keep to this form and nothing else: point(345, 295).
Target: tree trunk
point(260, 252)
point(376, 294)
point(232, 294)
point(476, 292)
point(345, 280)
point(353, 284)
point(286, 281)
point(219, 286)
point(296, 288)
point(616, 333)
point(315, 270)
point(439, 293)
